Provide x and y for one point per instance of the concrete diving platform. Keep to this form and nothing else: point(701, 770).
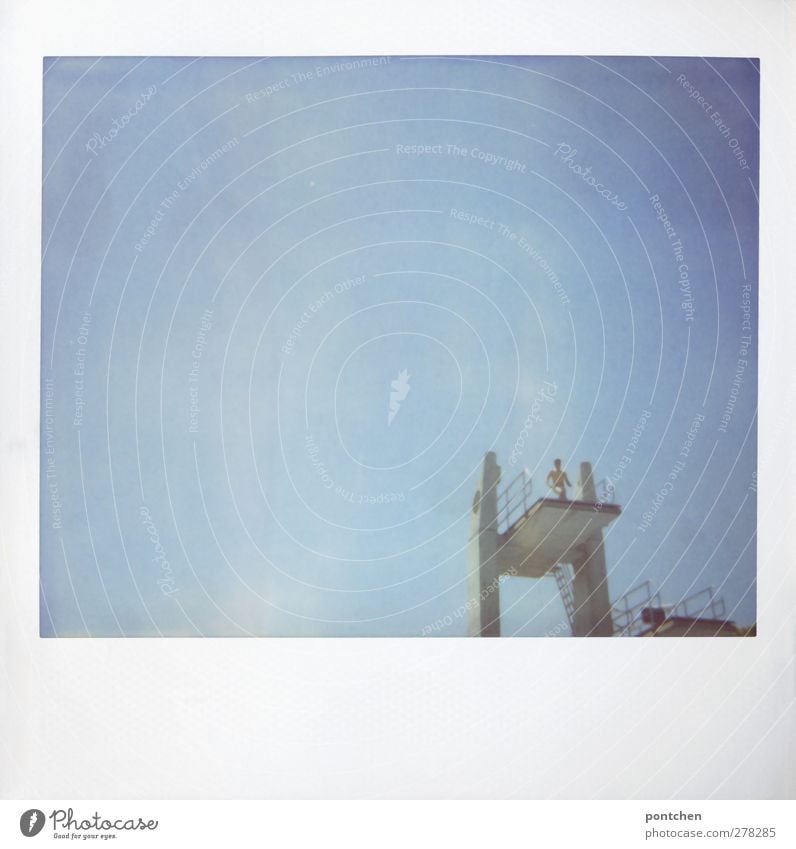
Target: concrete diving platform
point(551, 532)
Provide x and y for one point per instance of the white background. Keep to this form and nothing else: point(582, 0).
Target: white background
point(392, 718)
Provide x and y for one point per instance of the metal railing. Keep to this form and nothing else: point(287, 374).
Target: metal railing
point(699, 604)
point(515, 501)
point(606, 491)
point(627, 610)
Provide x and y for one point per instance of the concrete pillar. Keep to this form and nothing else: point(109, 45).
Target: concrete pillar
point(590, 590)
point(586, 489)
point(590, 584)
point(483, 587)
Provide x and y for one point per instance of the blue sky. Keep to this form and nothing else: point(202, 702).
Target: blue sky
point(241, 256)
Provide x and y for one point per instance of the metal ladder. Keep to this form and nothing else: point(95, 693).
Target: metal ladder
point(561, 573)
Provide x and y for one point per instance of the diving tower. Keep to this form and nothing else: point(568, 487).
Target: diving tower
point(512, 535)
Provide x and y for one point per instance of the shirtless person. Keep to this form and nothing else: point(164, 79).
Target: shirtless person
point(558, 481)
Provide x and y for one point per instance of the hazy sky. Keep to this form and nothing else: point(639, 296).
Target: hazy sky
point(242, 255)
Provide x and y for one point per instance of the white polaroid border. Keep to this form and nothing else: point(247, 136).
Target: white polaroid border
point(279, 718)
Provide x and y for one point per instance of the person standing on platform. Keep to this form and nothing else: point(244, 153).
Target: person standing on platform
point(558, 481)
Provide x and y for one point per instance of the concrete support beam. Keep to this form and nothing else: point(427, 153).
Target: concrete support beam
point(483, 587)
point(590, 591)
point(590, 585)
